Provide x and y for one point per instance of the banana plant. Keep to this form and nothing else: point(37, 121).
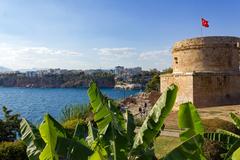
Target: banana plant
point(117, 132)
point(111, 135)
point(191, 135)
point(230, 141)
point(32, 138)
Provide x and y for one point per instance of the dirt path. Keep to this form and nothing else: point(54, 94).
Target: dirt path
point(219, 112)
point(170, 133)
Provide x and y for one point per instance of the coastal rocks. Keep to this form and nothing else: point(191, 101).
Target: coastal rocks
point(55, 81)
point(128, 86)
point(142, 102)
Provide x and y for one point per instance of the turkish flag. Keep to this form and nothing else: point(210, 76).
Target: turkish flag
point(205, 23)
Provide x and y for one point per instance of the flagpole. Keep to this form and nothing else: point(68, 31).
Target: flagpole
point(201, 26)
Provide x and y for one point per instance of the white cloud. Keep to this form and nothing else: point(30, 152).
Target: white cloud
point(17, 57)
point(153, 55)
point(115, 52)
point(27, 56)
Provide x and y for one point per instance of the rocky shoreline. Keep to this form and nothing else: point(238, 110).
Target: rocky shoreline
point(143, 100)
point(56, 81)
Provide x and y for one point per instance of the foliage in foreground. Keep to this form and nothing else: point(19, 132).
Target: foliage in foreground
point(229, 140)
point(110, 136)
point(13, 151)
point(74, 111)
point(9, 126)
point(191, 135)
point(111, 133)
point(153, 84)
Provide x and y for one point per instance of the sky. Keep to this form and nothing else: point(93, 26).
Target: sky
point(90, 34)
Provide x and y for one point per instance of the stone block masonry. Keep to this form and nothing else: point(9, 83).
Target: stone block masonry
point(206, 69)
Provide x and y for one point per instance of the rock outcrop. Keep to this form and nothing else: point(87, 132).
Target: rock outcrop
point(145, 101)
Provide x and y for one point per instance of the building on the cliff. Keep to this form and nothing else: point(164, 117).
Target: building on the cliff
point(119, 70)
point(206, 69)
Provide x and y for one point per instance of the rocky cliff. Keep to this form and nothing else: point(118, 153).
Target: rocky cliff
point(56, 81)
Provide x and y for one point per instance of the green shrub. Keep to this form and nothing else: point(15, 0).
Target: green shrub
point(153, 84)
point(13, 151)
point(74, 111)
point(70, 125)
point(9, 126)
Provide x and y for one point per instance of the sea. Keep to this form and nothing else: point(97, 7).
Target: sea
point(33, 103)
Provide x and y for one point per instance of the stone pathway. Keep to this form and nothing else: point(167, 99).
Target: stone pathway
point(170, 133)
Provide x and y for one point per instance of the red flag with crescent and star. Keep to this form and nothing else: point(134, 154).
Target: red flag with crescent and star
point(205, 23)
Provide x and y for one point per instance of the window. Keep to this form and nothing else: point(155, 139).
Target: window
point(176, 60)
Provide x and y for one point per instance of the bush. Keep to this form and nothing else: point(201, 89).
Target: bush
point(9, 126)
point(74, 111)
point(71, 124)
point(153, 84)
point(13, 151)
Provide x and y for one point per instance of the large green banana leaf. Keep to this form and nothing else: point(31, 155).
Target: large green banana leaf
point(236, 120)
point(72, 149)
point(154, 121)
point(116, 144)
point(92, 135)
point(233, 152)
point(97, 156)
point(236, 154)
point(118, 120)
point(32, 138)
point(110, 122)
point(80, 132)
point(189, 121)
point(120, 146)
point(50, 129)
point(190, 149)
point(100, 104)
point(129, 126)
point(227, 133)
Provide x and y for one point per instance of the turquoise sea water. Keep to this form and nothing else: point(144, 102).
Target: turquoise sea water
point(33, 103)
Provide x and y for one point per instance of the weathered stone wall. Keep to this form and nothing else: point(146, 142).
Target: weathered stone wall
point(216, 89)
point(206, 54)
point(185, 86)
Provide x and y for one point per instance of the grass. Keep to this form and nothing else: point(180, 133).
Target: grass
point(74, 111)
point(165, 144)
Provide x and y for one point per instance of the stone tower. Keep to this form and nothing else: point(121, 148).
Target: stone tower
point(206, 69)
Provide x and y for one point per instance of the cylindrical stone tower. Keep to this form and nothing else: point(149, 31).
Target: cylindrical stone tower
point(206, 70)
point(206, 54)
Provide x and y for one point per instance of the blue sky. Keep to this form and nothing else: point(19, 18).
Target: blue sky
point(85, 34)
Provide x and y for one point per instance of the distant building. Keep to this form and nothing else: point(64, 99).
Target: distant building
point(133, 71)
point(31, 74)
point(119, 70)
